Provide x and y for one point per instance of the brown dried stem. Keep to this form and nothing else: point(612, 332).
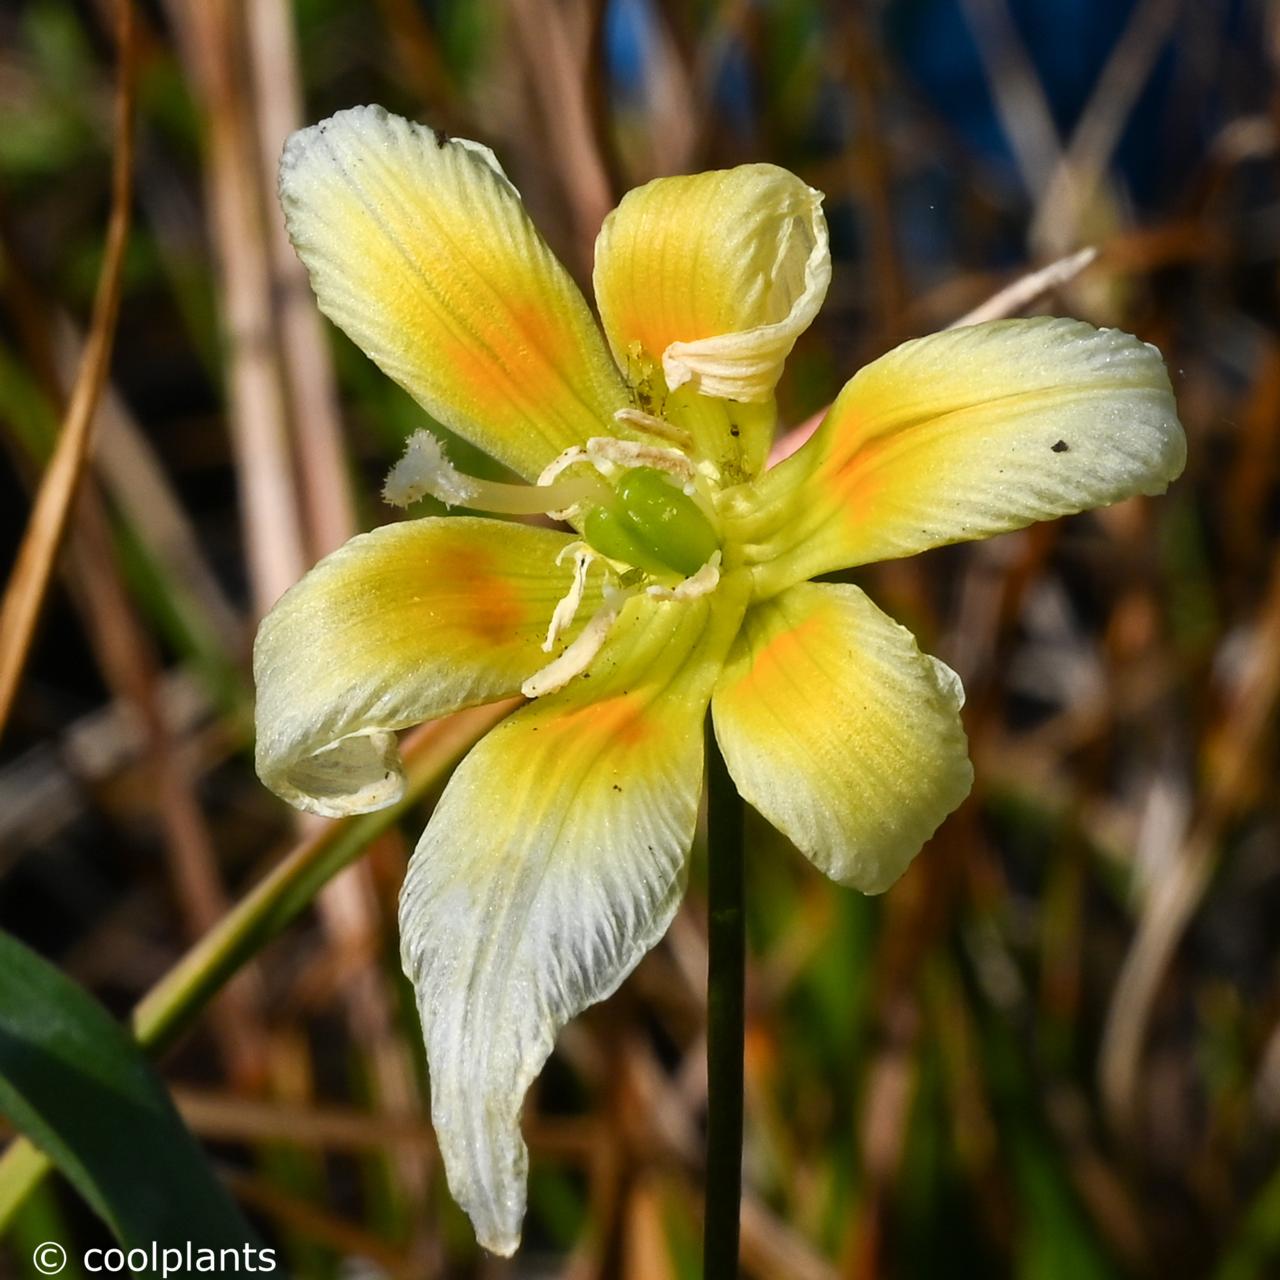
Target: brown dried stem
point(29, 581)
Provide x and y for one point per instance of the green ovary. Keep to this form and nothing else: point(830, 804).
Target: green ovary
point(653, 526)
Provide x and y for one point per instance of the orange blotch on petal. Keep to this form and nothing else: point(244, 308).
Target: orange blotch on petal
point(517, 354)
point(855, 480)
point(779, 658)
point(487, 607)
point(617, 721)
point(655, 332)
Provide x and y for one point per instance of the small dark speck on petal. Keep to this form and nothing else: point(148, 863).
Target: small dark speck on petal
point(616, 787)
point(441, 138)
point(1061, 447)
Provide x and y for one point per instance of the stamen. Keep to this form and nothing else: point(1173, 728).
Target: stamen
point(425, 469)
point(631, 453)
point(702, 583)
point(550, 473)
point(655, 426)
point(580, 654)
point(574, 453)
point(567, 609)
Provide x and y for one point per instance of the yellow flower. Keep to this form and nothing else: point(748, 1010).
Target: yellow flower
point(557, 854)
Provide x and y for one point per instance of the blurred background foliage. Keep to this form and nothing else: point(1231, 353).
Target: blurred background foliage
point(1053, 1050)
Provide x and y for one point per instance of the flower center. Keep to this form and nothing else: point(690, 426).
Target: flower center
point(633, 507)
point(641, 517)
point(653, 525)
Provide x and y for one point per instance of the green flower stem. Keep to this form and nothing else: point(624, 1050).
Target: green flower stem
point(175, 1001)
point(726, 973)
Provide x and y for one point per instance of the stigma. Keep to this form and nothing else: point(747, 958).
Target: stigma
point(425, 471)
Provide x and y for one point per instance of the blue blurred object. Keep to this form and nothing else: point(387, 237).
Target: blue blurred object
point(628, 45)
point(1210, 69)
point(1069, 42)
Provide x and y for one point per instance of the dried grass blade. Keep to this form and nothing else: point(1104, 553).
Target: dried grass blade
point(212, 41)
point(29, 580)
point(1026, 289)
point(1232, 752)
point(325, 494)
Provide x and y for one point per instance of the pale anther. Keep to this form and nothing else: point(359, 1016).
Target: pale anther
point(581, 653)
point(567, 608)
point(701, 583)
point(551, 473)
point(631, 453)
point(655, 426)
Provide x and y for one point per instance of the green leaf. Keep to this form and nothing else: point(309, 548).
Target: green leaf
point(78, 1086)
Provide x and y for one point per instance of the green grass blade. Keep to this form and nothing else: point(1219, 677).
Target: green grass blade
point(77, 1085)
